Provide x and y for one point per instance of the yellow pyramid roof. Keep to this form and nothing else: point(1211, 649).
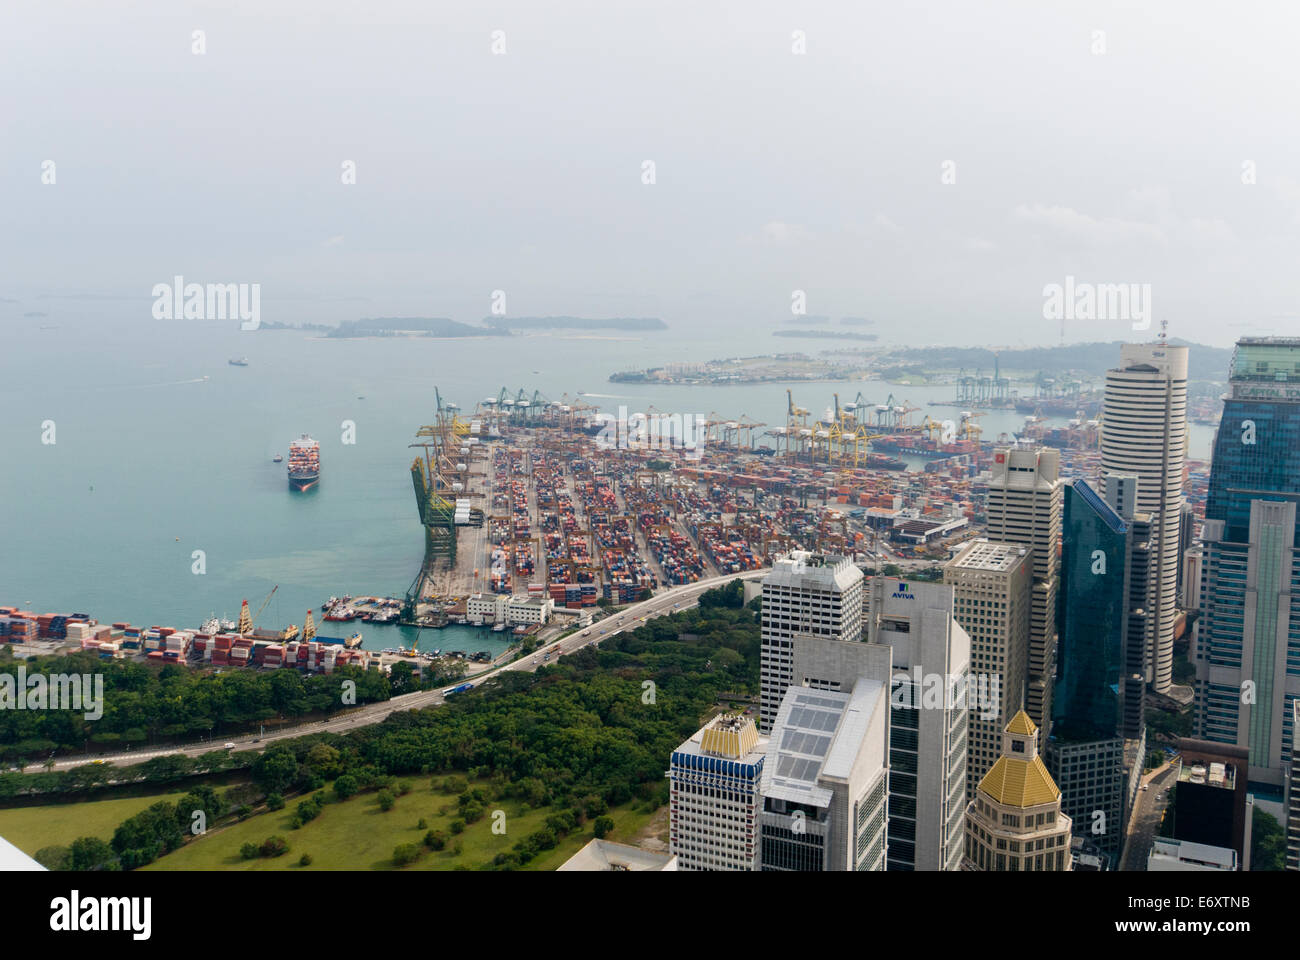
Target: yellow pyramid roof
point(1020, 783)
point(1021, 725)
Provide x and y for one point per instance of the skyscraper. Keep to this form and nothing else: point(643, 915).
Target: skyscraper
point(1024, 506)
point(928, 721)
point(714, 797)
point(1098, 734)
point(1014, 821)
point(1247, 654)
point(808, 595)
point(825, 784)
point(991, 600)
point(1144, 434)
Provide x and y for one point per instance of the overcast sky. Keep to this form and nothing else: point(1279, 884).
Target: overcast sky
point(774, 171)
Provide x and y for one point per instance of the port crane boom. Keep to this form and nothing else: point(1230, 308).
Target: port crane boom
point(245, 621)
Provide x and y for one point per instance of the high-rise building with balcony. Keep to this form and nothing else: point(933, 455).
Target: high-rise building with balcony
point(1144, 435)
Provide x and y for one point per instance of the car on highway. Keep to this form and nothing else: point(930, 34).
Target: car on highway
point(230, 746)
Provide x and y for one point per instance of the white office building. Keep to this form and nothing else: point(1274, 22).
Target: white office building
point(499, 608)
point(826, 781)
point(928, 723)
point(714, 799)
point(806, 594)
point(1144, 433)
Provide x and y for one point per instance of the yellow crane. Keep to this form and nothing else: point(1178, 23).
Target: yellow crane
point(245, 621)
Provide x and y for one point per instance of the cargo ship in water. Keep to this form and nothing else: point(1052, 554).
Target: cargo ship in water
point(304, 463)
point(911, 445)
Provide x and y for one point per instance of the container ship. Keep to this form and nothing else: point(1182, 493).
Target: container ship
point(878, 461)
point(304, 463)
point(913, 446)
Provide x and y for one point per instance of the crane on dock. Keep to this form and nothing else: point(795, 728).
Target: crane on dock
point(245, 621)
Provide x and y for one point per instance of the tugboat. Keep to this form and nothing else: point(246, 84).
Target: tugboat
point(353, 641)
point(241, 362)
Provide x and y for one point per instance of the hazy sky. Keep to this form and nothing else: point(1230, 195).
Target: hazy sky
point(774, 171)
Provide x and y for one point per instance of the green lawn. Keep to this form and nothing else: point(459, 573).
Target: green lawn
point(357, 835)
point(31, 828)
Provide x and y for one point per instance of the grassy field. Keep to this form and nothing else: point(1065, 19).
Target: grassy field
point(356, 835)
point(31, 828)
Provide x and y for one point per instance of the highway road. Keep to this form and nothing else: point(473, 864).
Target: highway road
point(667, 601)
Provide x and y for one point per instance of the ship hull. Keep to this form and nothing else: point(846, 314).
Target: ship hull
point(303, 484)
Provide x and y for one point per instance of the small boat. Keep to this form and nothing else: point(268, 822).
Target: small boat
point(353, 641)
point(277, 458)
point(241, 362)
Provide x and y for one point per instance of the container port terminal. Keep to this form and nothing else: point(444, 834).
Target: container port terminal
point(535, 522)
point(537, 498)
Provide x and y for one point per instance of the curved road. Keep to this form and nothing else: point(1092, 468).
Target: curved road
point(668, 601)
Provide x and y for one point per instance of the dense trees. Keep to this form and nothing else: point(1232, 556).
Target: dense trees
point(144, 838)
point(145, 703)
point(1267, 842)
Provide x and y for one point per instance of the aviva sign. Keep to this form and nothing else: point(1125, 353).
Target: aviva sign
point(902, 593)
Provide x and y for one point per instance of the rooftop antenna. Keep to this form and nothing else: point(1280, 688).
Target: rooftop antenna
point(1164, 331)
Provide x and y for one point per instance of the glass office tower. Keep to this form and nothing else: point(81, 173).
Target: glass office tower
point(1247, 651)
point(1092, 617)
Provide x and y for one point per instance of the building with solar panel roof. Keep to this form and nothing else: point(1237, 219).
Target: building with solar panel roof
point(825, 783)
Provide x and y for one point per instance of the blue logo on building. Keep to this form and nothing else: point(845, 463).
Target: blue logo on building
point(902, 593)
